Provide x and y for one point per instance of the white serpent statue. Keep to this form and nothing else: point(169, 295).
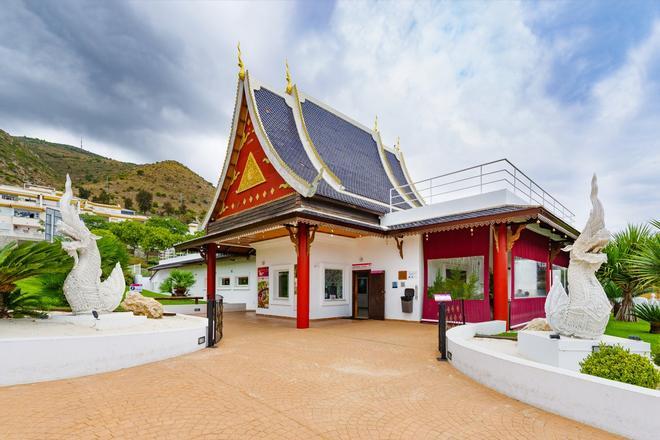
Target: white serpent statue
point(585, 312)
point(83, 288)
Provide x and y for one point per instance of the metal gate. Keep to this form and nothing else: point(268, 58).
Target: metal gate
point(214, 312)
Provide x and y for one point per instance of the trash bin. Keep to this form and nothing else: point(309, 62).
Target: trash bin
point(407, 300)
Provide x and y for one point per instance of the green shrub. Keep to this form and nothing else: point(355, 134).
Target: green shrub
point(655, 354)
point(616, 363)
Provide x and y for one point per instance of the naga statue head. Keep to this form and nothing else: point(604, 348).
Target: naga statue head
point(71, 226)
point(594, 237)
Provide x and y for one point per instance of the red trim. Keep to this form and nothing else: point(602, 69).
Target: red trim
point(211, 251)
point(500, 276)
point(302, 312)
point(454, 244)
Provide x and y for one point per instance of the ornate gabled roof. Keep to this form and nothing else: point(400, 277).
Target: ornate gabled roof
point(316, 150)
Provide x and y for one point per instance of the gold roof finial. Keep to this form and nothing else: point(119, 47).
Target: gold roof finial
point(241, 66)
point(289, 86)
point(376, 124)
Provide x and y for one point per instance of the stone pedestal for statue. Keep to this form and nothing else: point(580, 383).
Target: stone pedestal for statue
point(107, 321)
point(567, 352)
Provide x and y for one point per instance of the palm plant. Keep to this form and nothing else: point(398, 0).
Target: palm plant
point(18, 262)
point(178, 282)
point(650, 313)
point(646, 264)
point(617, 271)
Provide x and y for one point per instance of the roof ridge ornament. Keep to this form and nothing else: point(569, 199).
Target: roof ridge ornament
point(397, 147)
point(289, 86)
point(376, 124)
point(241, 66)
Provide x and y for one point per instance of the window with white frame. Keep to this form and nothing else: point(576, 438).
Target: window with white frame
point(242, 281)
point(282, 284)
point(529, 278)
point(225, 281)
point(333, 284)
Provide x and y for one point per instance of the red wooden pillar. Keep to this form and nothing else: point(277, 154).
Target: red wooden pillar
point(302, 312)
point(211, 252)
point(501, 276)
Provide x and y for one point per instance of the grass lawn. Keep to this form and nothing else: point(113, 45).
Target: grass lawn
point(616, 328)
point(155, 295)
point(624, 329)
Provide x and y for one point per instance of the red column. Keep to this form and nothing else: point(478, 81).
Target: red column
point(501, 276)
point(211, 252)
point(302, 315)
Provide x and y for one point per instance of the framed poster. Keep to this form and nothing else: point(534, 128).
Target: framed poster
point(263, 291)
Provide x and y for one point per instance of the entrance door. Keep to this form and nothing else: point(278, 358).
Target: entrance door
point(377, 295)
point(361, 294)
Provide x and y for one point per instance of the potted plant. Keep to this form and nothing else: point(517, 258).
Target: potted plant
point(650, 313)
point(178, 282)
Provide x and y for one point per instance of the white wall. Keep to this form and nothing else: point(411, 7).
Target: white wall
point(335, 252)
point(617, 407)
point(226, 267)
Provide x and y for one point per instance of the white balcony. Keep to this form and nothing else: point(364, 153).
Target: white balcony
point(499, 178)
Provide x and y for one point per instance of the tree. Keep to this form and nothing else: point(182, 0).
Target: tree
point(168, 209)
point(157, 239)
point(93, 221)
point(84, 193)
point(18, 262)
point(144, 200)
point(178, 282)
point(103, 197)
point(128, 203)
point(617, 274)
point(646, 264)
point(129, 232)
point(171, 224)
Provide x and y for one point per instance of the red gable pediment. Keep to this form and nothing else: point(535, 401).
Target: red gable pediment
point(252, 181)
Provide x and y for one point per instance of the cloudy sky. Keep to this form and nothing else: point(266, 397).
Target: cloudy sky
point(562, 89)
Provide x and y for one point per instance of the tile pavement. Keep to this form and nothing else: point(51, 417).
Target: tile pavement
point(340, 379)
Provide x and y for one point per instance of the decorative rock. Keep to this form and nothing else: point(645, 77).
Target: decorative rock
point(538, 324)
point(585, 312)
point(141, 305)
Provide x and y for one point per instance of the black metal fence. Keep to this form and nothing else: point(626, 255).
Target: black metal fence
point(214, 313)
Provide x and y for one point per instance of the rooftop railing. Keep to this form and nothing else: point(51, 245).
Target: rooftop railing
point(479, 179)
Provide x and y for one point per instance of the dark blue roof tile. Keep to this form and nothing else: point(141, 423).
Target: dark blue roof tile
point(280, 126)
point(399, 175)
point(349, 151)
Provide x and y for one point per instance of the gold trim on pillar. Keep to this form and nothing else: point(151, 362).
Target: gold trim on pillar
point(512, 237)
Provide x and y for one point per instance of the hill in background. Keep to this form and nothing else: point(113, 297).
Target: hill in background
point(175, 189)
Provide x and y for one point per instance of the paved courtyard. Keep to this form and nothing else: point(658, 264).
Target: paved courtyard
point(340, 379)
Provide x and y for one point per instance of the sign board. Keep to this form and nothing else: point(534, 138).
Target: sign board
point(442, 297)
point(263, 290)
point(361, 266)
point(136, 288)
point(403, 275)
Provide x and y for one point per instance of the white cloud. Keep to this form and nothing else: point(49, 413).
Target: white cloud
point(461, 83)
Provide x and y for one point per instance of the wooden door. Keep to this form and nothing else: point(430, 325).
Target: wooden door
point(377, 295)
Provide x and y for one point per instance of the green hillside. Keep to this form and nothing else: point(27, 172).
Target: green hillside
point(172, 185)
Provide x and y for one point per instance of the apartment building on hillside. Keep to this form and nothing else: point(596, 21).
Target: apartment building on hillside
point(31, 212)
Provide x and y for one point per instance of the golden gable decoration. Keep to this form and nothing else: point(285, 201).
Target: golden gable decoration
point(252, 175)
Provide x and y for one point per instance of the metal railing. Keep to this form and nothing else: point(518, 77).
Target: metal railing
point(486, 177)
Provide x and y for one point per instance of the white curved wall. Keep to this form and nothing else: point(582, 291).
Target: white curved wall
point(38, 359)
point(616, 407)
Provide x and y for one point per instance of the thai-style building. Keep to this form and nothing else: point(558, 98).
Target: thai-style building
point(338, 228)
